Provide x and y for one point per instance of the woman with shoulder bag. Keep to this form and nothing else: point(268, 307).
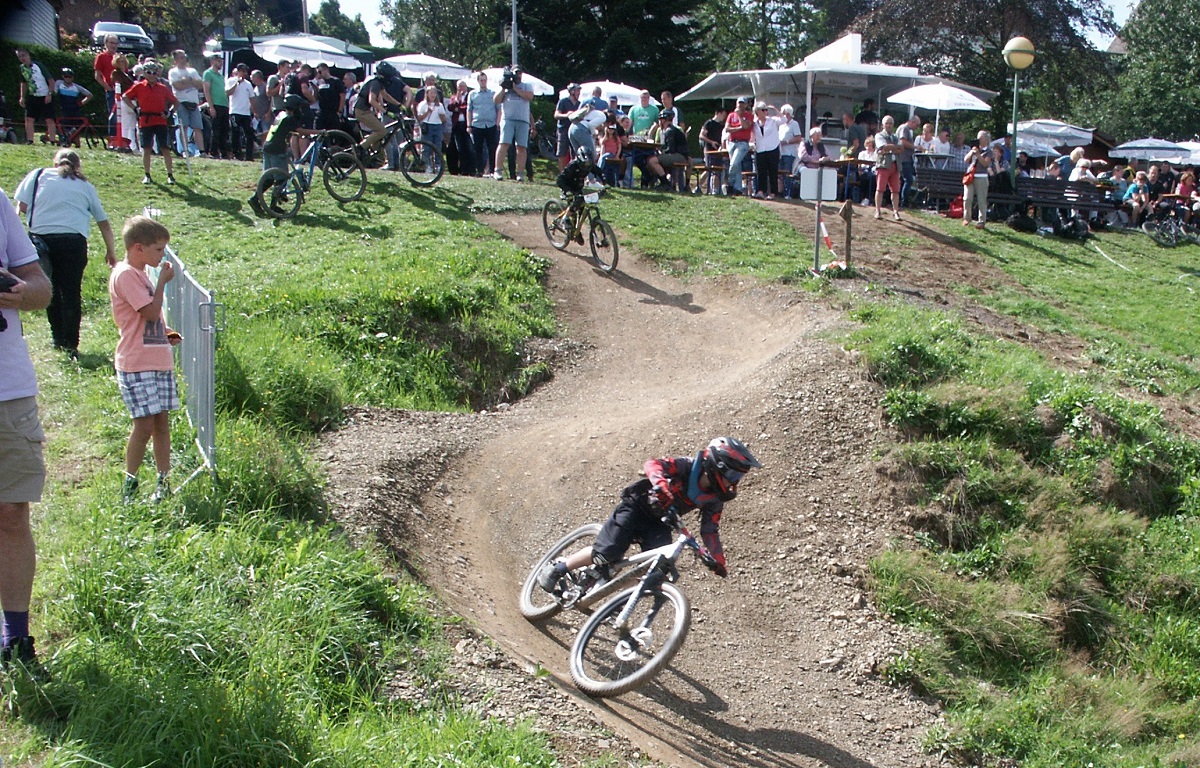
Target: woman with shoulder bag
point(59, 204)
point(975, 180)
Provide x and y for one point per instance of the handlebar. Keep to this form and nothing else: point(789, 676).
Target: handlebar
point(672, 518)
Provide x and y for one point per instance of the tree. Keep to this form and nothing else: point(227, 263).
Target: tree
point(938, 37)
point(331, 22)
point(757, 34)
point(1157, 90)
point(470, 32)
point(653, 43)
point(194, 21)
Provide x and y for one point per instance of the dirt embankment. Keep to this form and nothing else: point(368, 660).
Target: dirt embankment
point(779, 667)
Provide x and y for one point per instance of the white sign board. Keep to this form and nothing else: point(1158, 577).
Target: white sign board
point(811, 177)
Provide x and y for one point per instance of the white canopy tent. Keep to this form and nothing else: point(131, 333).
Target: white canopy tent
point(415, 65)
point(834, 78)
point(1150, 148)
point(938, 97)
point(1055, 133)
point(306, 49)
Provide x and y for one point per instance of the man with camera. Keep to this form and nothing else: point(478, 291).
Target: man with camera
point(514, 97)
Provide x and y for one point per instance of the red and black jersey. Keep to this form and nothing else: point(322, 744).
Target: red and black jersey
point(677, 481)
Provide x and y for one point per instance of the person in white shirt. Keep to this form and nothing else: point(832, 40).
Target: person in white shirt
point(435, 120)
point(766, 150)
point(791, 133)
point(186, 83)
point(239, 90)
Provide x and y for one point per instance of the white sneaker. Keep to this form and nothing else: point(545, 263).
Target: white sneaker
point(593, 185)
point(496, 175)
point(520, 177)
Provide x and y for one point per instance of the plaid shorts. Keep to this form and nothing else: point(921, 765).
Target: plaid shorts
point(147, 393)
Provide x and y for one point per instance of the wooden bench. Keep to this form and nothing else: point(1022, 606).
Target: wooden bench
point(943, 185)
point(1077, 195)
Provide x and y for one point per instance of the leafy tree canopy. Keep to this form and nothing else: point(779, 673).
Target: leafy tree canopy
point(470, 32)
point(757, 34)
point(194, 21)
point(331, 22)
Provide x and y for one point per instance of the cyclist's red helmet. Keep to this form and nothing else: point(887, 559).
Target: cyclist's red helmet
point(726, 461)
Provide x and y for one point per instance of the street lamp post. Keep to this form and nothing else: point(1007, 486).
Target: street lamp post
point(1018, 54)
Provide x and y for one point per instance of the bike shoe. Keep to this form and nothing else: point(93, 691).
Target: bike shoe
point(550, 576)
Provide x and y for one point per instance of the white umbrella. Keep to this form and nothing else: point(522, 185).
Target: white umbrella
point(540, 86)
point(939, 96)
point(1149, 148)
point(306, 50)
point(1054, 132)
point(415, 65)
point(1193, 147)
point(626, 94)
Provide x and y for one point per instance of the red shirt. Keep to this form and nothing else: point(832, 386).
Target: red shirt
point(669, 478)
point(740, 127)
point(152, 100)
point(104, 65)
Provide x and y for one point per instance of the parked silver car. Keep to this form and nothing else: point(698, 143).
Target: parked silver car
point(131, 38)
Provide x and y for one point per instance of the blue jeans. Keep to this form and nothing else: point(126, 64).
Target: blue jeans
point(785, 172)
point(432, 132)
point(609, 165)
point(908, 177)
point(738, 152)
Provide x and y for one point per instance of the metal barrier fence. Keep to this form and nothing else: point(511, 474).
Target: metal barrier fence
point(192, 311)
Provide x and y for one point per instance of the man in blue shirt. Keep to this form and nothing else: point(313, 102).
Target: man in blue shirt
point(483, 125)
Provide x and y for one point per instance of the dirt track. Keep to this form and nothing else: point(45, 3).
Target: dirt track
point(779, 667)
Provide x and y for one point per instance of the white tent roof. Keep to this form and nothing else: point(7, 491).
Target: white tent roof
point(835, 74)
point(308, 50)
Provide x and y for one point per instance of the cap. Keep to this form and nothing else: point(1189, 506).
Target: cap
point(613, 97)
point(644, 92)
point(743, 100)
point(574, 87)
point(68, 71)
point(666, 114)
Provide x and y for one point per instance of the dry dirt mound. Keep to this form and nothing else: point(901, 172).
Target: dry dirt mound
point(779, 667)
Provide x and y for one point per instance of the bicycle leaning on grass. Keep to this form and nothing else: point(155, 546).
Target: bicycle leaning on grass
point(643, 619)
point(1170, 230)
point(564, 223)
point(279, 193)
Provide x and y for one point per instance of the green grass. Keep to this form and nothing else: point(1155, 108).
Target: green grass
point(235, 624)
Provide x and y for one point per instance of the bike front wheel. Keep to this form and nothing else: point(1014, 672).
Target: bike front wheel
point(603, 241)
point(279, 193)
point(607, 660)
point(1190, 231)
point(333, 142)
point(536, 603)
point(1161, 232)
point(557, 224)
point(421, 163)
point(345, 178)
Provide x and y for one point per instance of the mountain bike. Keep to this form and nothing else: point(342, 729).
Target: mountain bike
point(420, 161)
point(641, 625)
point(280, 193)
point(565, 223)
point(1170, 230)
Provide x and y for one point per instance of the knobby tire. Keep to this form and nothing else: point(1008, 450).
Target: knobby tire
point(345, 177)
point(279, 193)
point(555, 224)
point(608, 662)
point(535, 603)
point(1161, 232)
point(421, 163)
point(603, 242)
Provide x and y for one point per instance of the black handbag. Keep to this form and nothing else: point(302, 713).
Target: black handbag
point(39, 243)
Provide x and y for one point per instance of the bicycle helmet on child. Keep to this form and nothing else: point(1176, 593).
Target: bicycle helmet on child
point(726, 461)
point(294, 102)
point(385, 70)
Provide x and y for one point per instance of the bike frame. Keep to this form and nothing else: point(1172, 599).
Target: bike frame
point(653, 565)
point(579, 214)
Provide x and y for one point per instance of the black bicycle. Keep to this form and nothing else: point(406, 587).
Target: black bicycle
point(564, 223)
point(420, 161)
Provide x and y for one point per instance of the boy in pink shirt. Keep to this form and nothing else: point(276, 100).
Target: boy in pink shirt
point(144, 361)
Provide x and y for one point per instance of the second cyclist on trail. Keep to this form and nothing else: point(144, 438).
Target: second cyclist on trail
point(676, 485)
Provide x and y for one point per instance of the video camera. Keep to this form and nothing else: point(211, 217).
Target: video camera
point(508, 79)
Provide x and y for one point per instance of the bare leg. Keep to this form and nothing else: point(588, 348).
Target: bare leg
point(501, 157)
point(139, 438)
point(520, 160)
point(162, 442)
point(18, 559)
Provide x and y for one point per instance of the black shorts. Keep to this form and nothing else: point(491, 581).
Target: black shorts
point(37, 108)
point(636, 518)
point(152, 132)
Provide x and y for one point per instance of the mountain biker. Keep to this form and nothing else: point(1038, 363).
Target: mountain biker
point(279, 145)
point(676, 485)
point(370, 103)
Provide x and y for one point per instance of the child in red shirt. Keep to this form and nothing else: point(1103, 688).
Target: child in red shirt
point(152, 97)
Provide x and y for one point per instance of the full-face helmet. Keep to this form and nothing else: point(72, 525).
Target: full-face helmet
point(726, 461)
point(385, 70)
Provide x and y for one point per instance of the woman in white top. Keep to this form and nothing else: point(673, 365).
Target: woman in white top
point(866, 172)
point(766, 150)
point(435, 120)
point(791, 133)
point(63, 203)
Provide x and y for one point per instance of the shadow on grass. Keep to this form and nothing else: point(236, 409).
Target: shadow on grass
point(190, 193)
point(453, 206)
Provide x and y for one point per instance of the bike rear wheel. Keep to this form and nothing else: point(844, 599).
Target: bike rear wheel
point(536, 603)
point(279, 193)
point(345, 178)
point(607, 661)
point(1190, 231)
point(421, 163)
point(555, 222)
point(603, 241)
point(1161, 232)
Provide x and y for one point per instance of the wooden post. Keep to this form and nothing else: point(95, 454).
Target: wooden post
point(847, 214)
